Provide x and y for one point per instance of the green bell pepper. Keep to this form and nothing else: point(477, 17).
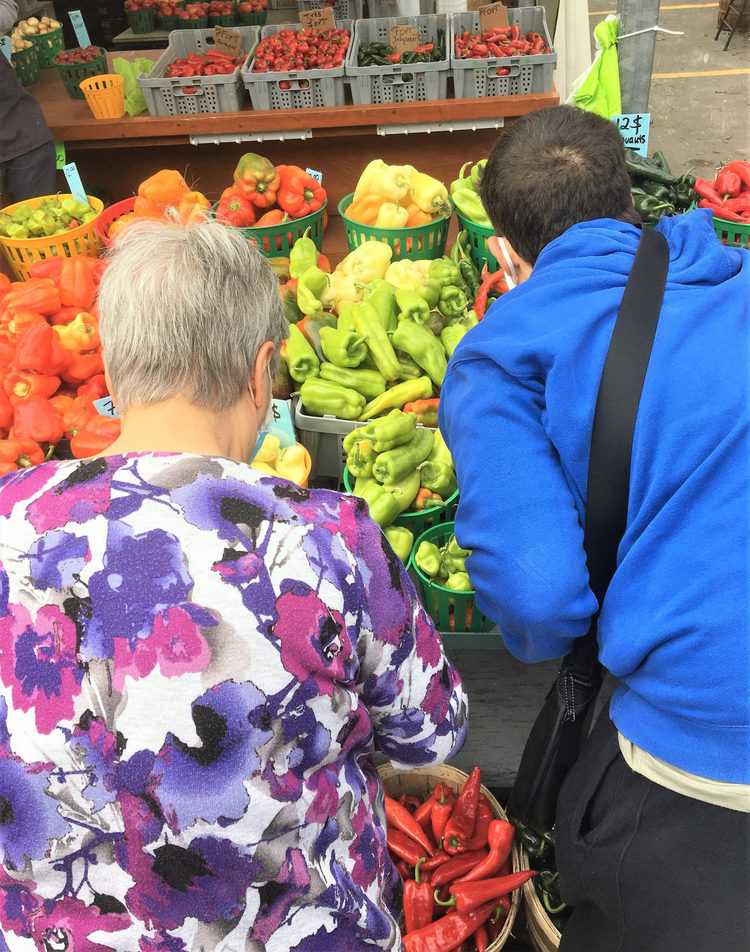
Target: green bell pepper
point(368, 325)
point(427, 559)
point(302, 360)
point(310, 288)
point(408, 370)
point(444, 272)
point(396, 397)
point(449, 564)
point(468, 202)
point(458, 582)
point(393, 430)
point(342, 347)
point(453, 548)
point(393, 465)
point(401, 541)
point(412, 306)
point(424, 349)
point(382, 297)
point(325, 398)
point(404, 491)
point(463, 180)
point(383, 505)
point(477, 171)
point(360, 459)
point(439, 478)
point(367, 382)
point(453, 302)
point(304, 255)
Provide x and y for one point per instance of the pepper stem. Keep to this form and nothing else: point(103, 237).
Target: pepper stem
point(417, 867)
point(439, 902)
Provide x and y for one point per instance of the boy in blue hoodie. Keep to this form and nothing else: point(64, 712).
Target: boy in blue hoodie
point(653, 826)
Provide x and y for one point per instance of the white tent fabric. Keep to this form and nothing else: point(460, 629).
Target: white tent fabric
point(572, 44)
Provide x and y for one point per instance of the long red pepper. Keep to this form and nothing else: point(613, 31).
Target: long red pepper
point(447, 933)
point(398, 816)
point(481, 939)
point(728, 184)
point(485, 816)
point(500, 840)
point(458, 866)
point(460, 828)
point(706, 190)
point(466, 897)
point(490, 282)
point(423, 813)
point(404, 847)
point(721, 211)
point(419, 904)
point(434, 861)
point(441, 812)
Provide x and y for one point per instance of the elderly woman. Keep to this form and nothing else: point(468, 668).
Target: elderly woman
point(197, 662)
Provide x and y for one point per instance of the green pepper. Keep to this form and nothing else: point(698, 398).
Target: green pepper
point(444, 272)
point(440, 452)
point(360, 459)
point(302, 360)
point(325, 398)
point(367, 324)
point(470, 276)
point(452, 335)
point(431, 293)
point(652, 209)
point(477, 171)
point(396, 397)
point(401, 541)
point(661, 160)
point(393, 430)
point(453, 302)
point(427, 559)
point(310, 288)
point(342, 347)
point(439, 478)
point(458, 582)
point(412, 306)
point(383, 505)
point(303, 255)
point(393, 465)
point(664, 192)
point(404, 491)
point(367, 382)
point(463, 180)
point(642, 167)
point(424, 348)
point(408, 370)
point(468, 202)
point(382, 297)
point(450, 564)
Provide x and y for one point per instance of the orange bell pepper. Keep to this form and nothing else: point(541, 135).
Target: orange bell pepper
point(36, 419)
point(192, 208)
point(275, 217)
point(23, 385)
point(82, 334)
point(257, 179)
point(416, 216)
point(99, 433)
point(165, 189)
point(82, 367)
point(40, 350)
point(37, 294)
point(365, 211)
point(18, 454)
point(77, 282)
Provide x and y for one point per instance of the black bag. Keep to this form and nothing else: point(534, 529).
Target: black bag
point(561, 726)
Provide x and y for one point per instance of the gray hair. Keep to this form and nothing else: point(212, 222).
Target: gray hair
point(185, 309)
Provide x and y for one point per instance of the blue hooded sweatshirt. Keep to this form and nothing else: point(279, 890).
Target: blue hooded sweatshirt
point(516, 410)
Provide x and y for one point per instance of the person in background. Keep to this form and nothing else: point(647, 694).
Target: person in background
point(27, 152)
point(197, 661)
point(658, 805)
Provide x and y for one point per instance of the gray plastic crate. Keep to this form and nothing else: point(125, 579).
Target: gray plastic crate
point(342, 9)
point(402, 82)
point(301, 89)
point(193, 95)
point(323, 438)
point(476, 78)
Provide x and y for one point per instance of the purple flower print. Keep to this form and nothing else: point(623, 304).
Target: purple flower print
point(233, 721)
point(367, 850)
point(17, 904)
point(84, 494)
point(38, 662)
point(277, 897)
point(55, 558)
point(28, 816)
point(347, 935)
point(161, 943)
point(96, 751)
point(67, 924)
point(326, 800)
point(20, 485)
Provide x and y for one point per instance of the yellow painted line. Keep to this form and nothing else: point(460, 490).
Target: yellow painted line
point(667, 6)
point(741, 71)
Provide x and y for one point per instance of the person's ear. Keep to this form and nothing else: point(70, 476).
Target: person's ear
point(520, 265)
point(260, 382)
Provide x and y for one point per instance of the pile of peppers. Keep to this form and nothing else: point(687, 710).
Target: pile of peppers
point(446, 565)
point(50, 364)
point(656, 191)
point(455, 859)
point(381, 54)
point(728, 196)
point(465, 193)
point(397, 196)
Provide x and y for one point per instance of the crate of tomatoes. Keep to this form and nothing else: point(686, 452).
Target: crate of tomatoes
point(192, 76)
point(298, 68)
point(508, 61)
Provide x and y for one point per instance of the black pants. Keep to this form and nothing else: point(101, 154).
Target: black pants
point(31, 174)
point(646, 869)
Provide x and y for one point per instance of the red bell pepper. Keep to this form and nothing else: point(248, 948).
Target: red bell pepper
point(404, 847)
point(37, 294)
point(458, 866)
point(99, 433)
point(460, 827)
point(82, 367)
point(6, 411)
point(76, 412)
point(236, 210)
point(500, 840)
point(77, 282)
point(17, 322)
point(400, 818)
point(742, 168)
point(441, 812)
point(728, 184)
point(449, 932)
point(47, 268)
point(64, 316)
point(418, 902)
point(299, 194)
point(7, 352)
point(40, 350)
point(466, 897)
point(21, 386)
point(94, 388)
point(258, 180)
point(18, 454)
point(36, 419)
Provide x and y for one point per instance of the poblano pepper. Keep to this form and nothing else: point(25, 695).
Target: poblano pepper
point(424, 349)
point(427, 559)
point(382, 297)
point(367, 382)
point(360, 459)
point(439, 478)
point(393, 430)
point(310, 288)
point(412, 306)
point(394, 465)
point(368, 325)
point(444, 272)
point(342, 347)
point(304, 255)
point(453, 302)
point(401, 541)
point(302, 360)
point(324, 398)
point(396, 397)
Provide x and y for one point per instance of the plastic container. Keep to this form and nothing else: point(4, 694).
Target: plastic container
point(323, 438)
point(219, 20)
point(476, 78)
point(48, 45)
point(105, 95)
point(732, 232)
point(22, 253)
point(26, 65)
point(167, 22)
point(110, 215)
point(194, 95)
point(478, 235)
point(424, 241)
point(416, 521)
point(401, 82)
point(451, 611)
point(199, 23)
point(73, 74)
point(301, 89)
point(142, 21)
point(421, 782)
point(342, 9)
point(276, 241)
point(252, 19)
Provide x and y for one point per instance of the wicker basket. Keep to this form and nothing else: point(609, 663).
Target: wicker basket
point(545, 937)
point(421, 783)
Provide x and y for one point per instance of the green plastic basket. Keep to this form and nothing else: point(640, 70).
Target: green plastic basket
point(276, 241)
point(732, 232)
point(451, 611)
point(166, 23)
point(26, 65)
point(200, 23)
point(221, 20)
point(423, 242)
point(252, 19)
point(48, 45)
point(73, 73)
point(478, 235)
point(417, 522)
point(142, 21)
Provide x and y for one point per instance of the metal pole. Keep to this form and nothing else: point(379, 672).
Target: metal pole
point(636, 53)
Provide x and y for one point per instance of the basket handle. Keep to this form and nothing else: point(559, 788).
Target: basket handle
point(292, 85)
point(397, 79)
point(189, 89)
point(514, 69)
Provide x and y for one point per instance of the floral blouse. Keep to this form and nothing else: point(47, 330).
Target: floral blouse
point(196, 665)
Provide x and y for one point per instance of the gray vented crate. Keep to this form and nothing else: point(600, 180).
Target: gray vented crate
point(192, 95)
point(476, 78)
point(402, 82)
point(323, 438)
point(342, 9)
point(301, 89)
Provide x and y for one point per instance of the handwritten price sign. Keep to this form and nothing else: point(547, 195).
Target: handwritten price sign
point(634, 128)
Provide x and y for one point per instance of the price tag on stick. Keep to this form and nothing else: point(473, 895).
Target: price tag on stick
point(104, 407)
point(318, 20)
point(79, 28)
point(493, 17)
point(404, 38)
point(5, 47)
point(74, 182)
point(228, 41)
point(634, 128)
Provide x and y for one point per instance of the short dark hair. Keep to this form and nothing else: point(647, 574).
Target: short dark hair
point(552, 169)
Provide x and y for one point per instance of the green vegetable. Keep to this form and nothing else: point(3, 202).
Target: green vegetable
point(452, 335)
point(398, 396)
point(444, 272)
point(401, 540)
point(459, 582)
point(424, 348)
point(453, 302)
point(468, 202)
point(342, 347)
point(412, 306)
point(477, 171)
point(440, 452)
point(382, 297)
point(393, 430)
point(310, 288)
point(361, 458)
point(304, 255)
point(367, 382)
point(325, 398)
point(393, 465)
point(440, 478)
point(302, 359)
point(387, 502)
point(408, 370)
point(427, 559)
point(368, 325)
point(640, 166)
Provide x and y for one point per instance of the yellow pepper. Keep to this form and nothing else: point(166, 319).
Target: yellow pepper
point(342, 288)
point(292, 464)
point(408, 275)
point(82, 334)
point(430, 195)
point(391, 183)
point(263, 468)
point(365, 210)
point(391, 216)
point(269, 450)
point(367, 262)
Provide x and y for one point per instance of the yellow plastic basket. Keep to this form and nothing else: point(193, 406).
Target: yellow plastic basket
point(105, 95)
point(22, 253)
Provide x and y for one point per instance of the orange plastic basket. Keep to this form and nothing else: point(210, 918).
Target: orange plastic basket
point(105, 95)
point(22, 253)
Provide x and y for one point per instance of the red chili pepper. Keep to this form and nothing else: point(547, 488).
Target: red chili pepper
point(404, 847)
point(435, 861)
point(419, 904)
point(449, 932)
point(706, 190)
point(457, 867)
point(403, 870)
point(441, 811)
point(481, 939)
point(720, 210)
point(466, 897)
point(740, 205)
point(423, 813)
point(460, 828)
point(490, 282)
point(500, 839)
point(411, 803)
point(400, 818)
point(485, 816)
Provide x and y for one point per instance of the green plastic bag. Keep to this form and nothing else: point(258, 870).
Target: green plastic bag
point(130, 70)
point(598, 89)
